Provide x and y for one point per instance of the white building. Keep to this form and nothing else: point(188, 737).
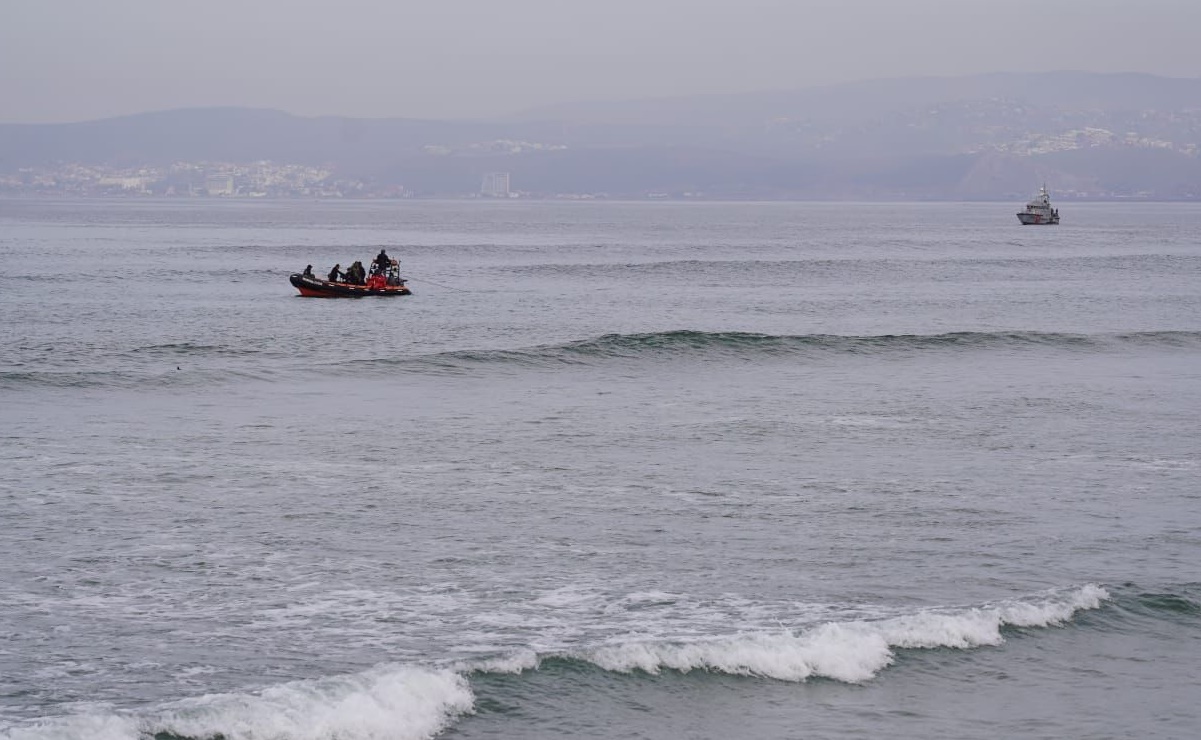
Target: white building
point(219, 185)
point(137, 184)
point(495, 185)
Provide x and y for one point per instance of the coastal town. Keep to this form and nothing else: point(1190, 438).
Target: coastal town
point(271, 180)
point(262, 179)
point(257, 179)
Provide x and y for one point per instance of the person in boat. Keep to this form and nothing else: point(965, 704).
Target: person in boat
point(380, 264)
point(356, 274)
point(336, 275)
point(308, 271)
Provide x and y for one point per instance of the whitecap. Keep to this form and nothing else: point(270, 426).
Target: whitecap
point(390, 701)
point(850, 651)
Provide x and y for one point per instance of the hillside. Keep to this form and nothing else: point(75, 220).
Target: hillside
point(987, 136)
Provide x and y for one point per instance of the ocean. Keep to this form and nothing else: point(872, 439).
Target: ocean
point(614, 470)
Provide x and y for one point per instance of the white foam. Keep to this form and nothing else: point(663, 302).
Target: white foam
point(852, 651)
point(393, 702)
point(411, 703)
point(830, 650)
point(76, 727)
point(1053, 611)
point(516, 662)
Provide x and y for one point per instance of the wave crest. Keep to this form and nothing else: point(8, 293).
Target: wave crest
point(832, 650)
point(852, 652)
point(264, 363)
point(748, 345)
point(387, 702)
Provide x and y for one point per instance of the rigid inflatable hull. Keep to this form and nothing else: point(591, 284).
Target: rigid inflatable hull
point(315, 288)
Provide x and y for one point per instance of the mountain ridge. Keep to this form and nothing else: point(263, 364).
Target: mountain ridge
point(1092, 134)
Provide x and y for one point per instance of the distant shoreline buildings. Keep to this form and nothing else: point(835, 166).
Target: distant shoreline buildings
point(183, 179)
point(265, 179)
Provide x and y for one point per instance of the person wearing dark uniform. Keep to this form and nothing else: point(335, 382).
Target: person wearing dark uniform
point(335, 274)
point(381, 262)
point(308, 271)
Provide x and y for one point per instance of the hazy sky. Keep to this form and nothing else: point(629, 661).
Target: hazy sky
point(65, 60)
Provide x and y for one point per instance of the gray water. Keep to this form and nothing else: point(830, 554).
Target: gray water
point(614, 470)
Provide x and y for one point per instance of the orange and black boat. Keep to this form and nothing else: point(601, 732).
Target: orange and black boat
point(385, 284)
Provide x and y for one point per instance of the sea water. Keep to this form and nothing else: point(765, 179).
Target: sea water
point(615, 470)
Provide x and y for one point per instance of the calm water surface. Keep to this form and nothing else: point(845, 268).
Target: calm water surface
point(614, 470)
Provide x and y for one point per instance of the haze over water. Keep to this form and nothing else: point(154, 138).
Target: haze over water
point(651, 470)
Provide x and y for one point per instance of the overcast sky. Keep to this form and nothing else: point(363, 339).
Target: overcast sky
point(69, 60)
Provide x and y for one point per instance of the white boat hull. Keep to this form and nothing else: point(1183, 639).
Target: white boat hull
point(1031, 219)
point(1039, 211)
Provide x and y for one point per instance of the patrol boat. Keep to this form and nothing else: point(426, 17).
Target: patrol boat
point(1039, 210)
point(386, 283)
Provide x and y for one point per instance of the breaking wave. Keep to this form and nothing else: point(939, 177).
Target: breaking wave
point(387, 702)
point(404, 702)
point(852, 652)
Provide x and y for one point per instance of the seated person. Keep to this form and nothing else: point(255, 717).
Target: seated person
point(335, 275)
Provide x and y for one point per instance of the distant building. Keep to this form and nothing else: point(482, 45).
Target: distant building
point(495, 185)
point(222, 185)
point(136, 184)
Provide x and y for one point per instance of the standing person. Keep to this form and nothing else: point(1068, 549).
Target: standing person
point(381, 261)
point(335, 275)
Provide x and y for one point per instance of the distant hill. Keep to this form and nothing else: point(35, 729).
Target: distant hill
point(857, 101)
point(225, 134)
point(985, 136)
